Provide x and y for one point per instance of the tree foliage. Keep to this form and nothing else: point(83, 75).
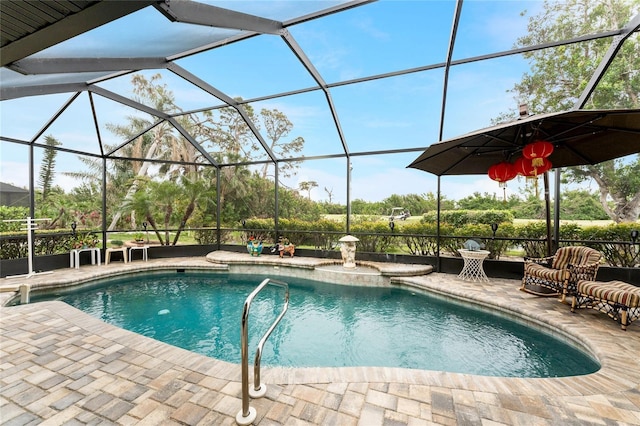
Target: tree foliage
point(560, 74)
point(308, 186)
point(487, 201)
point(619, 181)
point(277, 128)
point(581, 205)
point(167, 173)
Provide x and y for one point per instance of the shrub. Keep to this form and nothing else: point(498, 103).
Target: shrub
point(535, 234)
point(464, 217)
point(13, 213)
point(614, 243)
point(208, 236)
point(378, 243)
point(15, 246)
point(420, 238)
point(483, 234)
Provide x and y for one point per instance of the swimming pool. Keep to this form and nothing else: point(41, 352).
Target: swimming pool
point(327, 325)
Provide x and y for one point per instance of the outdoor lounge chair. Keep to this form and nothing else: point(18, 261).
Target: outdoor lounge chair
point(560, 273)
point(619, 300)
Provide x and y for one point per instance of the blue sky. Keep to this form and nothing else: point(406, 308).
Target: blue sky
point(393, 113)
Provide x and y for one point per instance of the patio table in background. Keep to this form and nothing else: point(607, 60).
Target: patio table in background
point(145, 253)
point(107, 255)
point(472, 269)
point(74, 256)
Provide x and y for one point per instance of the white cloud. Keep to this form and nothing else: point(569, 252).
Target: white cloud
point(14, 173)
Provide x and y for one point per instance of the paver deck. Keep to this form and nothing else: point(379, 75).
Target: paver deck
point(60, 366)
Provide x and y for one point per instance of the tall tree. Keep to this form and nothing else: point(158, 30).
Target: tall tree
point(155, 144)
point(618, 181)
point(230, 141)
point(308, 186)
point(47, 168)
point(278, 127)
point(194, 191)
point(223, 133)
point(51, 202)
point(559, 75)
point(329, 194)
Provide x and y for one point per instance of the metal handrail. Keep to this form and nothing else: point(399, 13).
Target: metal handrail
point(247, 414)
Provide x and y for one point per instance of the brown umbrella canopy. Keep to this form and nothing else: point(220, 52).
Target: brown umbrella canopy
point(579, 137)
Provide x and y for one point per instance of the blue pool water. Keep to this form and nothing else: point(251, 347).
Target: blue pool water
point(327, 325)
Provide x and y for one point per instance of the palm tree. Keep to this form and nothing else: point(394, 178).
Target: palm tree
point(196, 190)
point(47, 168)
point(159, 135)
point(142, 202)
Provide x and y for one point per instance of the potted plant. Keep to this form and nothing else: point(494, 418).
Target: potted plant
point(116, 243)
point(86, 241)
point(138, 237)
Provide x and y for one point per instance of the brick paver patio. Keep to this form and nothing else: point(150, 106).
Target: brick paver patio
point(60, 366)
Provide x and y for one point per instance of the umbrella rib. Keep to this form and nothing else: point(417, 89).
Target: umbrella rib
point(578, 154)
point(577, 126)
point(590, 125)
point(476, 149)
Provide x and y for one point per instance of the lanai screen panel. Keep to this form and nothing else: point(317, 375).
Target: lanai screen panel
point(367, 80)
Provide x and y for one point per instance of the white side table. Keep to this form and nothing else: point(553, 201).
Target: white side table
point(472, 269)
point(145, 255)
point(107, 254)
point(74, 256)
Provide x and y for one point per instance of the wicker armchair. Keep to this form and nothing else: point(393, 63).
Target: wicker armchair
point(561, 272)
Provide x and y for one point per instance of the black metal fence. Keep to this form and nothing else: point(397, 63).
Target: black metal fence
point(616, 253)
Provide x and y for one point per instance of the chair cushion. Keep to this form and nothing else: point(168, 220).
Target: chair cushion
point(575, 255)
point(613, 291)
point(541, 271)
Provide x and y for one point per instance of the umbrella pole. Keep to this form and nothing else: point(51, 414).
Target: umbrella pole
point(438, 230)
point(548, 211)
point(556, 210)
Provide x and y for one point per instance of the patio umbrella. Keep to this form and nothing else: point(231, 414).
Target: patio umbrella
point(579, 137)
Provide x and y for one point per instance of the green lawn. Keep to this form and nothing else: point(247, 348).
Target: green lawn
point(186, 237)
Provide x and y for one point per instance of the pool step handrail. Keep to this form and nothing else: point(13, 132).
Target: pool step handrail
point(259, 390)
point(248, 414)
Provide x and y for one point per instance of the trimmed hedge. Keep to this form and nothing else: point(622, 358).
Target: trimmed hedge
point(465, 217)
point(606, 241)
point(209, 236)
point(417, 238)
point(420, 238)
point(15, 246)
point(321, 234)
point(375, 237)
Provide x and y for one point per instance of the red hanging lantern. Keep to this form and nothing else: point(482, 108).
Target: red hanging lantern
point(537, 152)
point(524, 167)
point(545, 167)
point(502, 173)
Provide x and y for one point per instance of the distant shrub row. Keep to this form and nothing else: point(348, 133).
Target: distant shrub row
point(416, 238)
point(419, 238)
